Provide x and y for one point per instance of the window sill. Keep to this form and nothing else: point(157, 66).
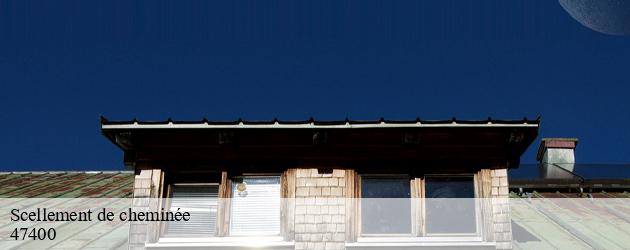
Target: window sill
point(222, 243)
point(417, 242)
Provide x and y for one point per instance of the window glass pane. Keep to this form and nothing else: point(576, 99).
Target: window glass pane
point(201, 202)
point(450, 205)
point(255, 206)
point(385, 205)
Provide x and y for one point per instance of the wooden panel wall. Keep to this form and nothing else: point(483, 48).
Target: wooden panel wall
point(417, 206)
point(353, 191)
point(287, 211)
point(484, 189)
point(223, 211)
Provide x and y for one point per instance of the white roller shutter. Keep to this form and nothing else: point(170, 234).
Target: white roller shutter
point(256, 210)
point(200, 200)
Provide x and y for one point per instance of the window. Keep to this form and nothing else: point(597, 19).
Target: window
point(241, 206)
point(255, 207)
point(447, 208)
point(450, 205)
point(200, 200)
point(385, 205)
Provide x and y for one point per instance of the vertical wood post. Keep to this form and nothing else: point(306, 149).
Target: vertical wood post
point(223, 206)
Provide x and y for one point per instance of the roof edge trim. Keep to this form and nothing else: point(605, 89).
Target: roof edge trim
point(310, 125)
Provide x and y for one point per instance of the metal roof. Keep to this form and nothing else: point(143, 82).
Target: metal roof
point(570, 221)
point(68, 190)
point(312, 123)
point(70, 184)
point(559, 176)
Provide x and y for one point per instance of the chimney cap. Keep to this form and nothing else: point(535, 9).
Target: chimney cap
point(546, 143)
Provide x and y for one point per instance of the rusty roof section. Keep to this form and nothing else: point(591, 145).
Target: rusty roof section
point(94, 184)
point(116, 186)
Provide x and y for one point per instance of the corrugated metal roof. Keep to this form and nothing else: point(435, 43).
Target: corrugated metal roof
point(33, 190)
point(564, 221)
point(313, 123)
point(115, 184)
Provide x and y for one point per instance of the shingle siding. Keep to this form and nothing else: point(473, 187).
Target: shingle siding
point(146, 186)
point(320, 209)
point(501, 209)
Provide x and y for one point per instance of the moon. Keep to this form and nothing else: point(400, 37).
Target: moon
point(610, 17)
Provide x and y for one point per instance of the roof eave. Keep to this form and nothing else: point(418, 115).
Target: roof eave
point(171, 125)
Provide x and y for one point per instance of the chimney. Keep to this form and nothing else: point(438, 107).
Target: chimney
point(557, 157)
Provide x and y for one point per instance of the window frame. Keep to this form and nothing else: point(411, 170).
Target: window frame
point(418, 212)
point(164, 229)
point(222, 225)
point(360, 207)
point(191, 178)
point(478, 215)
point(228, 216)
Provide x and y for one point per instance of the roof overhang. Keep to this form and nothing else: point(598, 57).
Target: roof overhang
point(348, 125)
point(445, 141)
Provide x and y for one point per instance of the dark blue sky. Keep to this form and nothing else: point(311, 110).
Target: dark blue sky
point(62, 63)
